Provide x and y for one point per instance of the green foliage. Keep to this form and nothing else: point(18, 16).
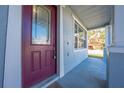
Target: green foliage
point(96, 38)
point(95, 55)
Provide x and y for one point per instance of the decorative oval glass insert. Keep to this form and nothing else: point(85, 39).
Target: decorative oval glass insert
point(40, 25)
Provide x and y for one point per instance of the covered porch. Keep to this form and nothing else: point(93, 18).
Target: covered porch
point(73, 67)
point(91, 73)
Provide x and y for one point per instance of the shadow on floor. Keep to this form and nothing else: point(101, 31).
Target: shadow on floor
point(91, 73)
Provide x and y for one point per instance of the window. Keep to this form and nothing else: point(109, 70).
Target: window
point(40, 25)
point(80, 36)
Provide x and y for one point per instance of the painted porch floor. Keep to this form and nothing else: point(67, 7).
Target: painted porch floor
point(91, 73)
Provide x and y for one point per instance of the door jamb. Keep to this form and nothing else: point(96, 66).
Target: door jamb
point(60, 42)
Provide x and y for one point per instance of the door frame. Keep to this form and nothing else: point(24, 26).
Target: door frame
point(56, 43)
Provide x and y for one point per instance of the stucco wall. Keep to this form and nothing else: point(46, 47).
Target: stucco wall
point(71, 57)
point(12, 73)
point(3, 32)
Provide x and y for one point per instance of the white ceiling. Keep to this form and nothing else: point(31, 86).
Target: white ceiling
point(93, 16)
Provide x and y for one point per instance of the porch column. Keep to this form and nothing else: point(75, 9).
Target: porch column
point(116, 53)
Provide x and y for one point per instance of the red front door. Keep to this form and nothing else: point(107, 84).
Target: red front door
point(38, 43)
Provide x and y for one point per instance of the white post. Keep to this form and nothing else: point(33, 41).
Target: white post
point(60, 49)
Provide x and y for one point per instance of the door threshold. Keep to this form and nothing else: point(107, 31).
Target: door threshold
point(47, 82)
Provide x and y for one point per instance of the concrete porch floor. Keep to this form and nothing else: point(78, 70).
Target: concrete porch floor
point(91, 73)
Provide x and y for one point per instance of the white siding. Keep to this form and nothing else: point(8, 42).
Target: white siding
point(71, 58)
point(12, 73)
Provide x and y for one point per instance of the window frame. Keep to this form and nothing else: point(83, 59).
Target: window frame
point(75, 20)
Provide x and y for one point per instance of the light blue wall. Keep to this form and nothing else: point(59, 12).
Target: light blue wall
point(71, 57)
point(3, 33)
point(116, 72)
point(116, 63)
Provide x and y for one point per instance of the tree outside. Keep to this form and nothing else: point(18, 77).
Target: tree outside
point(96, 42)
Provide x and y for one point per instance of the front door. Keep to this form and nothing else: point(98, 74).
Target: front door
point(38, 43)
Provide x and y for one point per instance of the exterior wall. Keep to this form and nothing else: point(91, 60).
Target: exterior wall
point(12, 73)
point(3, 32)
point(116, 63)
point(71, 57)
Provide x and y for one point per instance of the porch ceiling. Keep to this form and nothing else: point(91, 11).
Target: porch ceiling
point(93, 16)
